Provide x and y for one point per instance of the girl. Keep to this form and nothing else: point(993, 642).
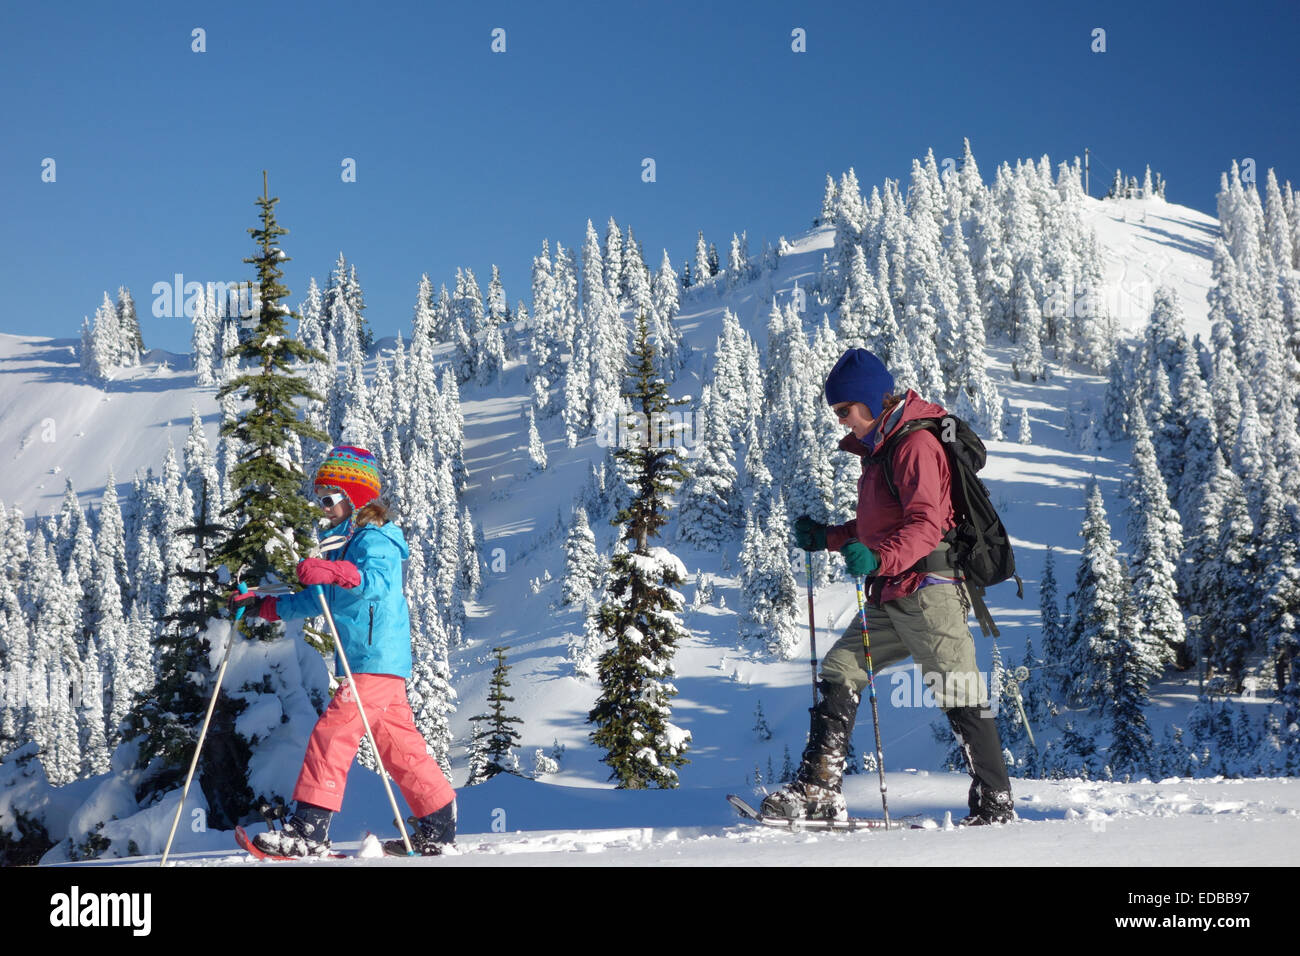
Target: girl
point(363, 587)
point(914, 612)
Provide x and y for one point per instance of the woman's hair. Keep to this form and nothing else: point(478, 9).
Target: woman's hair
point(374, 512)
point(889, 403)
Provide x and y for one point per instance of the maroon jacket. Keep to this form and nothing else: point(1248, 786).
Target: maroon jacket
point(905, 529)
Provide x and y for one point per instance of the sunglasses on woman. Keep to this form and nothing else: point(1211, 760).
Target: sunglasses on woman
point(330, 501)
point(843, 411)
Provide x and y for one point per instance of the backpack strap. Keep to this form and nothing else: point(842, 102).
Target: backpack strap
point(885, 456)
point(988, 626)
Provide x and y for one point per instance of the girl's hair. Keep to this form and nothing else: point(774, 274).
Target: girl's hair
point(374, 512)
point(889, 402)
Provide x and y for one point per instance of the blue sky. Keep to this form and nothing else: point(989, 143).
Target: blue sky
point(466, 157)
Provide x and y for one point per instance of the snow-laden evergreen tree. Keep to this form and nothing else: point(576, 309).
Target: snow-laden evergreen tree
point(1029, 354)
point(767, 586)
point(472, 549)
point(1248, 452)
point(230, 352)
point(737, 375)
point(491, 356)
point(1024, 436)
point(430, 687)
point(1155, 534)
point(200, 468)
point(1094, 626)
point(581, 562)
point(701, 259)
point(1276, 629)
point(612, 260)
point(665, 306)
point(606, 337)
point(710, 507)
point(101, 343)
point(496, 307)
point(640, 614)
point(125, 657)
point(132, 340)
point(634, 283)
point(445, 564)
point(546, 341)
point(56, 624)
point(576, 409)
point(272, 521)
point(1114, 416)
point(204, 340)
point(165, 717)
point(342, 310)
point(536, 449)
point(1131, 746)
point(1231, 582)
point(494, 737)
point(92, 740)
point(1277, 227)
point(1165, 335)
point(1052, 642)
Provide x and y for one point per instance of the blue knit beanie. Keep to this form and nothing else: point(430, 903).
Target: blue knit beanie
point(859, 377)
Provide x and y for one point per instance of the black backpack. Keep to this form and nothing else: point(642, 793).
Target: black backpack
point(978, 546)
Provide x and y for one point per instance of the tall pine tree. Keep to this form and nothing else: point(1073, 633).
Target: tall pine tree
point(640, 615)
point(494, 736)
point(272, 519)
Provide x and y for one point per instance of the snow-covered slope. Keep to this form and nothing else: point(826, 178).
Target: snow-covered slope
point(1039, 489)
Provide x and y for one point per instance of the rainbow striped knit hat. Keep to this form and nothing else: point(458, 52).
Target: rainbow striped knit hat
point(352, 471)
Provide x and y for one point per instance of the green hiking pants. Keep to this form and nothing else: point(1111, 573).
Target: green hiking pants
point(928, 625)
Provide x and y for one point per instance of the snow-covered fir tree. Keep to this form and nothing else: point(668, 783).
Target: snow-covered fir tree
point(1094, 626)
point(639, 616)
point(536, 449)
point(581, 562)
point(710, 508)
point(494, 737)
point(204, 339)
point(270, 517)
point(1156, 536)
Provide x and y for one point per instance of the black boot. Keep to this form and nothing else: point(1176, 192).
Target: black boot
point(433, 833)
point(989, 798)
point(306, 833)
point(815, 791)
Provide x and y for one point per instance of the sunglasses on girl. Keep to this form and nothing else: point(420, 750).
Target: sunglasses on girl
point(843, 411)
point(330, 501)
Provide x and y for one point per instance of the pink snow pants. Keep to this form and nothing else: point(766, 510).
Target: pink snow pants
point(337, 736)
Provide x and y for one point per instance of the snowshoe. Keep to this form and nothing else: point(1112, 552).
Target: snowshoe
point(805, 801)
point(304, 834)
point(432, 833)
point(991, 807)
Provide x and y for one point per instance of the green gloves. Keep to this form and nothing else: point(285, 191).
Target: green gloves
point(809, 535)
point(859, 559)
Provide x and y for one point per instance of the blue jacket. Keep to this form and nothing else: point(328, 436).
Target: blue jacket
point(373, 620)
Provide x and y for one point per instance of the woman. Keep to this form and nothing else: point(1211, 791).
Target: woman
point(914, 612)
point(362, 583)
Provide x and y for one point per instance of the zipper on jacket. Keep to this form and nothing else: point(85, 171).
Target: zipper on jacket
point(370, 634)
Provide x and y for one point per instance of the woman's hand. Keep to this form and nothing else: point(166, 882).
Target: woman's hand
point(861, 561)
point(313, 571)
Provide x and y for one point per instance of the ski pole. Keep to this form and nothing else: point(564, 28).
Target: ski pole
point(207, 719)
point(875, 713)
point(812, 628)
point(356, 695)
